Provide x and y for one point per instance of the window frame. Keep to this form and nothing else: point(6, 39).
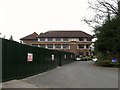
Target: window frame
point(65, 46)
point(65, 39)
point(42, 39)
point(58, 39)
point(42, 46)
point(50, 46)
point(58, 47)
point(49, 39)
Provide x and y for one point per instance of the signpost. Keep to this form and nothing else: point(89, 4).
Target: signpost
point(114, 60)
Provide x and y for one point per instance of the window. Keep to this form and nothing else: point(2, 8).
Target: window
point(81, 46)
point(88, 39)
point(80, 39)
point(42, 39)
point(42, 45)
point(50, 45)
point(57, 39)
point(49, 39)
point(65, 39)
point(85, 39)
point(87, 46)
point(65, 46)
point(57, 45)
point(81, 54)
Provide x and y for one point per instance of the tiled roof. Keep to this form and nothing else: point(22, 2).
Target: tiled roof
point(64, 34)
point(32, 36)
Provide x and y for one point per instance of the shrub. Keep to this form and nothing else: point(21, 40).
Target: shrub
point(102, 56)
point(104, 63)
point(89, 58)
point(86, 58)
point(83, 59)
point(117, 64)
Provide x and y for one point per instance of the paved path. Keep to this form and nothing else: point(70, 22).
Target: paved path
point(79, 74)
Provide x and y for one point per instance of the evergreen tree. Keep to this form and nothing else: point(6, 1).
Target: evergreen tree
point(108, 38)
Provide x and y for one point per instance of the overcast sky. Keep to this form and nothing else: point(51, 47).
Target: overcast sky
point(23, 17)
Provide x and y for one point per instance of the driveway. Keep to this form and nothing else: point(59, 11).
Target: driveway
point(79, 74)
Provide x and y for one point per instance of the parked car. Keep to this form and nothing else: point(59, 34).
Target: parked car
point(78, 59)
point(94, 59)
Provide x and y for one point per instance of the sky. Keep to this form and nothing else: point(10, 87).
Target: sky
point(23, 17)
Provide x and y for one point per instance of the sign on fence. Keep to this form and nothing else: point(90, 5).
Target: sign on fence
point(29, 57)
point(53, 57)
point(65, 56)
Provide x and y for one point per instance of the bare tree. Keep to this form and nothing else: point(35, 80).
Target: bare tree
point(104, 9)
point(11, 38)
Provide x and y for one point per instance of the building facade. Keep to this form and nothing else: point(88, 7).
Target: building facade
point(77, 42)
point(29, 39)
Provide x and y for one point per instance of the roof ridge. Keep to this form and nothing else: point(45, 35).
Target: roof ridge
point(65, 33)
point(30, 36)
point(64, 30)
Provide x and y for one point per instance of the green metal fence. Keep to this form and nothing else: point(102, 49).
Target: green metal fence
point(0, 61)
point(15, 64)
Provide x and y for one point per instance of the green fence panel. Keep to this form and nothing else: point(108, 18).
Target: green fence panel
point(9, 60)
point(4, 55)
point(21, 62)
point(15, 64)
point(0, 61)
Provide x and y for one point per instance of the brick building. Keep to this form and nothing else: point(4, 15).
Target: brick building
point(70, 41)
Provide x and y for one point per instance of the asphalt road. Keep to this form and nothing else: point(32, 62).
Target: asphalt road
point(78, 74)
